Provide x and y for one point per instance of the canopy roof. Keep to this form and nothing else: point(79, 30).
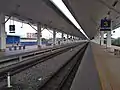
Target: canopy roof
point(89, 13)
point(42, 11)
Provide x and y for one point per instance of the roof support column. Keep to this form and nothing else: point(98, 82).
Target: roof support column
point(54, 37)
point(39, 35)
point(67, 38)
point(97, 38)
point(2, 33)
point(62, 37)
point(102, 38)
point(75, 39)
point(71, 39)
point(108, 39)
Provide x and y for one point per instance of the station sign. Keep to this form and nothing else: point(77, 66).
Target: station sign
point(12, 28)
point(105, 25)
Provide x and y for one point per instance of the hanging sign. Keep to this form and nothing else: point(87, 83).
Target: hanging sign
point(12, 28)
point(105, 25)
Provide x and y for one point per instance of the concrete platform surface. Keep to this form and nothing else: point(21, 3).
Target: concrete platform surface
point(87, 77)
point(108, 67)
point(27, 49)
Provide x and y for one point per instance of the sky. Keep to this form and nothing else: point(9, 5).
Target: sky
point(117, 33)
point(25, 29)
point(45, 33)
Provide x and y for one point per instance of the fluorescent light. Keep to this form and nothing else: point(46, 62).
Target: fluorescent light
point(59, 4)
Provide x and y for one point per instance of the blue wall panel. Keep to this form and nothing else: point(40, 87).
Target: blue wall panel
point(16, 39)
point(12, 39)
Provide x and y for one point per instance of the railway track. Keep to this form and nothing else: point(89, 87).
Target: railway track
point(62, 79)
point(21, 57)
point(16, 68)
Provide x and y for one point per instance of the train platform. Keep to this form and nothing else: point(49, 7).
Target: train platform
point(108, 67)
point(7, 52)
point(99, 70)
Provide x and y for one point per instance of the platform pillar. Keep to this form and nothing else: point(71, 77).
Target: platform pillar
point(39, 35)
point(62, 36)
point(2, 33)
point(71, 38)
point(54, 37)
point(67, 38)
point(97, 38)
point(108, 39)
point(102, 38)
